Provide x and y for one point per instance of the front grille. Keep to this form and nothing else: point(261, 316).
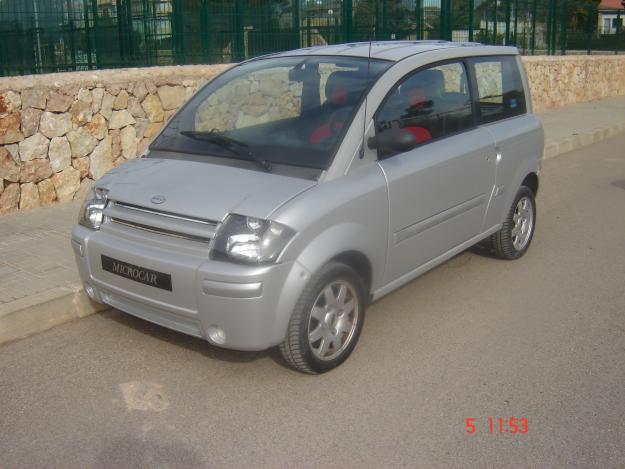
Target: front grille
point(163, 213)
point(152, 229)
point(160, 222)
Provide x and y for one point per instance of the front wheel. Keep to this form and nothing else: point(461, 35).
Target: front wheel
point(326, 321)
point(515, 236)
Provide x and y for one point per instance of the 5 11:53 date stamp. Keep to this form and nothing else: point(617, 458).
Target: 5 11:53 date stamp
point(494, 425)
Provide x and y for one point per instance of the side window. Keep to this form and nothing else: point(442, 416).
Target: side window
point(430, 104)
point(500, 88)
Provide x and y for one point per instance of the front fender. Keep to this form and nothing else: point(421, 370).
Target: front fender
point(328, 244)
point(348, 214)
point(339, 239)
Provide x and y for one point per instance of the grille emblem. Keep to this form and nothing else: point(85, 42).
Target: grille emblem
point(158, 199)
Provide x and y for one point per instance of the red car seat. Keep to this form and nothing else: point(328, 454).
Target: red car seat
point(342, 90)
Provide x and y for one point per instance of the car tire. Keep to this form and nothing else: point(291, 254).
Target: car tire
point(327, 320)
point(514, 238)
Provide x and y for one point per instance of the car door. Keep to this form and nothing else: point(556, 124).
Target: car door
point(504, 110)
point(439, 190)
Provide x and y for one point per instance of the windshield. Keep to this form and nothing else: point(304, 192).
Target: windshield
point(289, 110)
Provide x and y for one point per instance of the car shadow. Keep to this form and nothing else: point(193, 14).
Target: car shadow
point(129, 450)
point(483, 250)
point(620, 184)
point(193, 344)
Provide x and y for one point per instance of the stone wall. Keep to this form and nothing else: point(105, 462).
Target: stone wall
point(560, 81)
point(60, 132)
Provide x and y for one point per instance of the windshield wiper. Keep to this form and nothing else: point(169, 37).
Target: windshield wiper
point(233, 146)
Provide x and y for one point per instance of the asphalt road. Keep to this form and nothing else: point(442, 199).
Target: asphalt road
point(542, 338)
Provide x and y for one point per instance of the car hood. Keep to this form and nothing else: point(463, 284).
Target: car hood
point(198, 189)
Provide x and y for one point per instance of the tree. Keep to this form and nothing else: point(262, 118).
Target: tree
point(580, 13)
point(383, 19)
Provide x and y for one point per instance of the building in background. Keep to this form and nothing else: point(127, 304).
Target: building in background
point(609, 17)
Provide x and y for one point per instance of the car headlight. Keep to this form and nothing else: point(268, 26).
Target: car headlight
point(251, 240)
point(92, 210)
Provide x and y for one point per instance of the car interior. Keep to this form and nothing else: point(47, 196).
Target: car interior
point(422, 106)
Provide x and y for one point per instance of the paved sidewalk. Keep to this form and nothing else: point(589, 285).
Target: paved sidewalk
point(35, 253)
point(39, 285)
point(583, 124)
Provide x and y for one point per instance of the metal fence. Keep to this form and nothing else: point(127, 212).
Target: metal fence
point(39, 36)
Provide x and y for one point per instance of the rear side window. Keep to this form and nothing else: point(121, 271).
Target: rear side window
point(499, 88)
point(431, 103)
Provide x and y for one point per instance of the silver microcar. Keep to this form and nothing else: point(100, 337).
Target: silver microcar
point(295, 188)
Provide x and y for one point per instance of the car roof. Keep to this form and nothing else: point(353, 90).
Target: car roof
point(391, 50)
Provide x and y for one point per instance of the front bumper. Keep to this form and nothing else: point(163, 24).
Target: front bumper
point(250, 306)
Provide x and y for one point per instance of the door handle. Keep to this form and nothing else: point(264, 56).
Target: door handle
point(497, 157)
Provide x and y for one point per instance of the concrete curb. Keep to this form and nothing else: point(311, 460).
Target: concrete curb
point(581, 140)
point(42, 311)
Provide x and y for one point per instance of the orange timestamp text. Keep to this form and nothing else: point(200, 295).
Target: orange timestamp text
point(511, 425)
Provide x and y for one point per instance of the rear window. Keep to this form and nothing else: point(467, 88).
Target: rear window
point(500, 88)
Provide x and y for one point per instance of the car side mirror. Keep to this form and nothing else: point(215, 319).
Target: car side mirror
point(393, 140)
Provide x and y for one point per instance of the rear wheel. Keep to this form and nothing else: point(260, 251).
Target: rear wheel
point(515, 236)
point(327, 320)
